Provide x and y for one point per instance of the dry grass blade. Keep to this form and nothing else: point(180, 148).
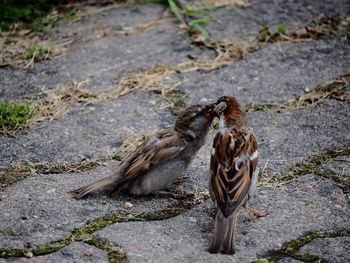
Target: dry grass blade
point(336, 89)
point(144, 27)
point(323, 26)
point(25, 168)
point(23, 48)
point(219, 3)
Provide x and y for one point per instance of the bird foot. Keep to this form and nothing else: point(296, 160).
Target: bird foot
point(255, 213)
point(173, 195)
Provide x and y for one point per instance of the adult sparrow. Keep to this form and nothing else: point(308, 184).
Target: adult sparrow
point(161, 159)
point(233, 178)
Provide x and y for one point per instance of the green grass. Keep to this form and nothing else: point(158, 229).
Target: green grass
point(14, 114)
point(184, 14)
point(38, 52)
point(34, 14)
point(282, 28)
point(41, 23)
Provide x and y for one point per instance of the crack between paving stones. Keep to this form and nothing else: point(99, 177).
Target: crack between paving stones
point(24, 168)
point(334, 89)
point(311, 166)
point(291, 248)
point(115, 253)
point(19, 172)
point(85, 234)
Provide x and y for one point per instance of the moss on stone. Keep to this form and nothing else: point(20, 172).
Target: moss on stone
point(38, 251)
point(115, 253)
point(85, 234)
point(311, 165)
point(291, 248)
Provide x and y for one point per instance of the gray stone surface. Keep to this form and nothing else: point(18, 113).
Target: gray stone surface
point(72, 253)
point(91, 133)
point(276, 73)
point(114, 18)
point(247, 21)
point(288, 138)
point(102, 61)
point(185, 238)
point(331, 249)
point(38, 210)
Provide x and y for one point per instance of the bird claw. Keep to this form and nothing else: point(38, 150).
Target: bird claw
point(255, 213)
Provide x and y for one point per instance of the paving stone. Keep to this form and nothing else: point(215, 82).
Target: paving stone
point(289, 138)
point(89, 134)
point(102, 62)
point(330, 249)
point(68, 254)
point(111, 18)
point(39, 210)
point(276, 73)
point(241, 22)
point(293, 211)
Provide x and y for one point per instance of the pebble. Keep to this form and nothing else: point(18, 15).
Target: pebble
point(51, 191)
point(88, 252)
point(128, 205)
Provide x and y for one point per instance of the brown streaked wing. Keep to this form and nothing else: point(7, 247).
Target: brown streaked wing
point(230, 186)
point(165, 147)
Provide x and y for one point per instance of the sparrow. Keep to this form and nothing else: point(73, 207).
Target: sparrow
point(161, 158)
point(233, 176)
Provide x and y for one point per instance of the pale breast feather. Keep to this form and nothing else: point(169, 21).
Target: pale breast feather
point(254, 155)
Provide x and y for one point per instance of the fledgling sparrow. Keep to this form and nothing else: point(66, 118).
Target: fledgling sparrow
point(161, 159)
point(233, 174)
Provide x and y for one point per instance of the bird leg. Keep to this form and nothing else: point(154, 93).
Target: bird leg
point(256, 212)
point(173, 195)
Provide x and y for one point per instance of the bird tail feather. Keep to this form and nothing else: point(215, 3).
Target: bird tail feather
point(106, 184)
point(224, 231)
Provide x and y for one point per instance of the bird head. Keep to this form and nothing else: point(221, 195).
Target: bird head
point(231, 110)
point(195, 120)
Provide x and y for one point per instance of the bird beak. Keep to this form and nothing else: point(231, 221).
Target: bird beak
point(219, 108)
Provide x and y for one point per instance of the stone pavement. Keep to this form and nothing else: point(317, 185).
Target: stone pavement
point(296, 91)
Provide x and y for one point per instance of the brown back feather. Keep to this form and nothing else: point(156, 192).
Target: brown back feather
point(229, 185)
